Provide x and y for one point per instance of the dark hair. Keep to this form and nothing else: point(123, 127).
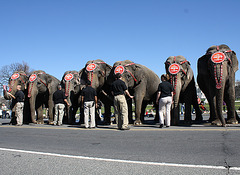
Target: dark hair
point(118, 75)
point(88, 82)
point(165, 77)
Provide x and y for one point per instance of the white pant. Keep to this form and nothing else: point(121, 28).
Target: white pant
point(19, 112)
point(59, 112)
point(165, 106)
point(89, 111)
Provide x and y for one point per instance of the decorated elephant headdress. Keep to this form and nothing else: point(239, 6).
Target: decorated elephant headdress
point(96, 66)
point(18, 77)
point(178, 66)
point(216, 57)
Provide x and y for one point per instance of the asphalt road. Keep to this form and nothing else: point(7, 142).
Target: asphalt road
point(44, 149)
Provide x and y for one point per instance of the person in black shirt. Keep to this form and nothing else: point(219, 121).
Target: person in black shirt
point(19, 97)
point(164, 98)
point(59, 98)
point(89, 101)
point(118, 89)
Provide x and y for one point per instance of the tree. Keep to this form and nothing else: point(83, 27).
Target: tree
point(7, 71)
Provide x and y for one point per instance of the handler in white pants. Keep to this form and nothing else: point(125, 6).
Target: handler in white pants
point(165, 94)
point(89, 101)
point(59, 99)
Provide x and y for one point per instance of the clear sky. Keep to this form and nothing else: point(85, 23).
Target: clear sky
point(61, 35)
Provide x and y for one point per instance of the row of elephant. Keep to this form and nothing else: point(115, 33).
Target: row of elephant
point(216, 78)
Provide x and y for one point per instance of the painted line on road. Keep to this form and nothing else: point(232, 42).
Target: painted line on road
point(121, 161)
point(132, 128)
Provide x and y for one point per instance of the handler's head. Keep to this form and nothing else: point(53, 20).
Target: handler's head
point(59, 87)
point(118, 76)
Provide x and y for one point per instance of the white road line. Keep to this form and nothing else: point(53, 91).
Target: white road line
point(120, 161)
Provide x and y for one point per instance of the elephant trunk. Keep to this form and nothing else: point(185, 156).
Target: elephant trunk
point(176, 83)
point(6, 95)
point(219, 105)
point(67, 88)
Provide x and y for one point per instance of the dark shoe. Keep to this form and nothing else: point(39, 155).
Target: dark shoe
point(92, 127)
point(161, 126)
point(167, 126)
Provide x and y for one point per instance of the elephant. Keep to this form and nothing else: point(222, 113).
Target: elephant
point(18, 78)
point(216, 78)
point(40, 91)
point(72, 85)
point(182, 80)
point(97, 71)
point(142, 83)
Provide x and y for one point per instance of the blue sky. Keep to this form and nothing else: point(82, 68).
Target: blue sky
point(61, 35)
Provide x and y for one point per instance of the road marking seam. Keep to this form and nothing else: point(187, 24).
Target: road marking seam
point(121, 161)
point(132, 129)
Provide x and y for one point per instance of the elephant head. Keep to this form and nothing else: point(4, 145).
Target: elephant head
point(71, 82)
point(17, 78)
point(180, 73)
point(40, 90)
point(221, 61)
point(216, 78)
point(96, 71)
point(132, 73)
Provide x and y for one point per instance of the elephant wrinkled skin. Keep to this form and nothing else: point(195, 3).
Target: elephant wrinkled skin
point(97, 71)
point(142, 83)
point(182, 79)
point(216, 78)
point(71, 83)
point(18, 78)
point(40, 91)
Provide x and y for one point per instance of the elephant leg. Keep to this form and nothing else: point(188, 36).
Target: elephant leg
point(144, 105)
point(107, 114)
point(50, 110)
point(175, 117)
point(130, 119)
point(229, 98)
point(138, 107)
point(40, 115)
point(187, 115)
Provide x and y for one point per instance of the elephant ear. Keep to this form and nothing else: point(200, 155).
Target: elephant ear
point(108, 70)
point(48, 80)
point(202, 65)
point(234, 61)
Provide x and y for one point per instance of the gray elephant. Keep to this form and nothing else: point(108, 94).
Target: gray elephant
point(97, 71)
point(182, 79)
point(40, 91)
point(142, 83)
point(18, 78)
point(216, 78)
point(72, 85)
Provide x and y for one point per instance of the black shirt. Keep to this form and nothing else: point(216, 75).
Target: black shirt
point(59, 96)
point(89, 94)
point(19, 95)
point(118, 87)
point(165, 88)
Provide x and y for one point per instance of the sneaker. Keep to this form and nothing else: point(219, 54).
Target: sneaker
point(161, 126)
point(126, 128)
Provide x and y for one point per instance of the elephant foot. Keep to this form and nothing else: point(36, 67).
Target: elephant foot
point(34, 122)
point(217, 122)
point(50, 123)
point(137, 123)
point(232, 121)
point(40, 122)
